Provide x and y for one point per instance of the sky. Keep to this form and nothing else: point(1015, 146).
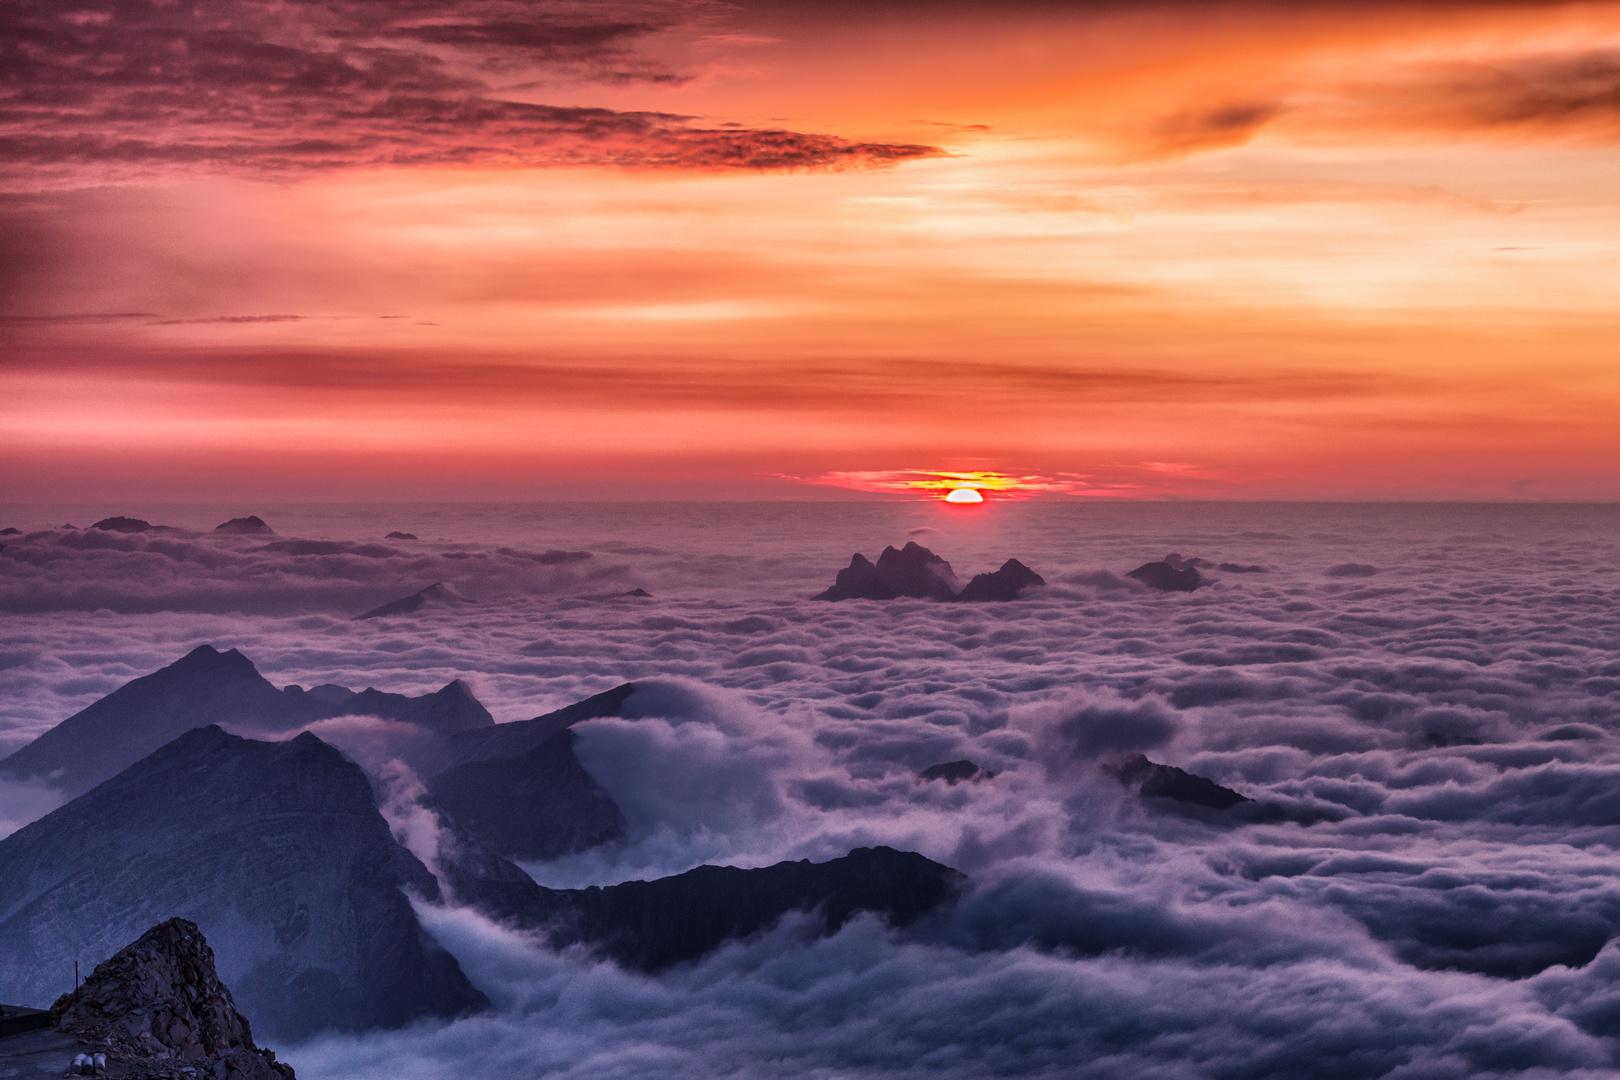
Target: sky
point(481, 249)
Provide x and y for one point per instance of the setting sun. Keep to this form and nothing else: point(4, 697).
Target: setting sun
point(964, 495)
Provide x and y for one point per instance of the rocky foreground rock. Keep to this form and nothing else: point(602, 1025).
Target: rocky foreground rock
point(157, 1008)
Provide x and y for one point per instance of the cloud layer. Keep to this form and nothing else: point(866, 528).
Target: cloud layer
point(1430, 890)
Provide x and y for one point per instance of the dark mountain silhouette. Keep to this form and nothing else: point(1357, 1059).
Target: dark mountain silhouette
point(915, 571)
point(1166, 578)
point(208, 686)
point(1004, 584)
point(275, 849)
point(397, 535)
point(252, 525)
point(160, 998)
point(519, 788)
point(10, 532)
point(432, 595)
point(1168, 782)
point(653, 925)
point(522, 736)
point(123, 525)
point(536, 805)
point(911, 571)
point(955, 771)
point(449, 709)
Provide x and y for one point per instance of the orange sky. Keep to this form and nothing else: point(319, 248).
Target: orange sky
point(1228, 251)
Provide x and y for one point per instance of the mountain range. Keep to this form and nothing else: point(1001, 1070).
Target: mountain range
point(277, 849)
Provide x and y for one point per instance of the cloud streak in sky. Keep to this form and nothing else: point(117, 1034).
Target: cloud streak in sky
point(137, 89)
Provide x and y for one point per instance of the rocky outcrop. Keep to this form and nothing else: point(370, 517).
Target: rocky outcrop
point(1005, 584)
point(1153, 780)
point(912, 571)
point(654, 925)
point(207, 686)
point(275, 849)
point(434, 595)
point(1166, 578)
point(916, 572)
point(252, 525)
point(160, 1000)
point(953, 772)
point(397, 535)
point(123, 525)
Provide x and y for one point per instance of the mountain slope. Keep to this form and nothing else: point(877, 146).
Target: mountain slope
point(276, 850)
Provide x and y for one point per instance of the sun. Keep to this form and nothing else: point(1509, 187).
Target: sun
point(964, 495)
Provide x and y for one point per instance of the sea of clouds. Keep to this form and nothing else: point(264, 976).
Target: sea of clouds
point(1426, 700)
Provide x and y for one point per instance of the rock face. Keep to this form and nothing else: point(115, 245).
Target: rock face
point(953, 772)
point(275, 849)
point(207, 686)
point(1168, 782)
point(519, 788)
point(1005, 584)
point(653, 925)
point(432, 595)
point(1166, 578)
point(252, 525)
point(161, 999)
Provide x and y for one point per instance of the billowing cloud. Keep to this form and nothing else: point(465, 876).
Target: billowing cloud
point(1423, 886)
